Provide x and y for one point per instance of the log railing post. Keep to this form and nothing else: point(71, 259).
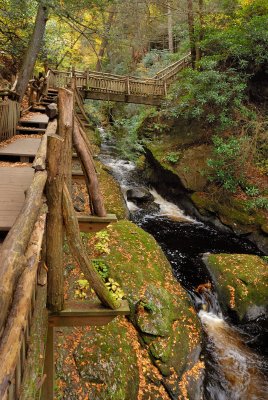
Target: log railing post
point(59, 170)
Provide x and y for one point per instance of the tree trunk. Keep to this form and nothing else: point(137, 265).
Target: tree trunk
point(88, 166)
point(200, 30)
point(33, 50)
point(191, 31)
point(105, 39)
point(12, 259)
point(78, 251)
point(170, 29)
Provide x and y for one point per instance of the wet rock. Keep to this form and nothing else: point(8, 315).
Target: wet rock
point(140, 196)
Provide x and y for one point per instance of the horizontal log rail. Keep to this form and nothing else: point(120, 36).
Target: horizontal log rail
point(172, 69)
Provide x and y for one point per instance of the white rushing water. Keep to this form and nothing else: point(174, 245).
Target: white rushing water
point(239, 371)
point(170, 210)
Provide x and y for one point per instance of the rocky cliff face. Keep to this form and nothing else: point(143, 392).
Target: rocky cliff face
point(176, 163)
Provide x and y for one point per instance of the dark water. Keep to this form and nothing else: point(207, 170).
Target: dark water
point(185, 243)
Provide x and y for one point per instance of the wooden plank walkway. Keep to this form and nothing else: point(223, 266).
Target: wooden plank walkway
point(22, 147)
point(14, 181)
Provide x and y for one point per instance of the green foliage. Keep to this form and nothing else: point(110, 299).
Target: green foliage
point(128, 142)
point(242, 40)
point(102, 244)
point(226, 165)
point(102, 268)
point(82, 285)
point(104, 271)
point(252, 191)
point(210, 95)
point(115, 289)
point(260, 202)
point(173, 157)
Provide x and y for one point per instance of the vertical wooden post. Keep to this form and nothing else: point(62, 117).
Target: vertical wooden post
point(54, 230)
point(87, 78)
point(65, 130)
point(128, 85)
point(48, 386)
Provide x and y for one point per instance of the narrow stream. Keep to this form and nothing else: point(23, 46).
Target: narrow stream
point(233, 370)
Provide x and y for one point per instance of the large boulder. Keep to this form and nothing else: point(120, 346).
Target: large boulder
point(160, 308)
point(242, 284)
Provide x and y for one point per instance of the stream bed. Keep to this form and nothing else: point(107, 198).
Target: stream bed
point(234, 371)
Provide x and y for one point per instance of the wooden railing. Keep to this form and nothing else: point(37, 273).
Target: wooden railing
point(20, 257)
point(107, 83)
point(169, 73)
point(9, 116)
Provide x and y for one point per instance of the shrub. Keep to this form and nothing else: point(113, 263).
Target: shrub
point(209, 95)
point(227, 163)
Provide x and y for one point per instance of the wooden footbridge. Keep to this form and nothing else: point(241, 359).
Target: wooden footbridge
point(36, 212)
point(128, 89)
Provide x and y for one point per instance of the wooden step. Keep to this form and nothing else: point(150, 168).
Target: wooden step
point(26, 129)
point(91, 223)
point(48, 101)
point(38, 109)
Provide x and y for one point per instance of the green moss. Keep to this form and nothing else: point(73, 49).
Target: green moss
point(113, 198)
point(241, 280)
point(160, 308)
point(105, 363)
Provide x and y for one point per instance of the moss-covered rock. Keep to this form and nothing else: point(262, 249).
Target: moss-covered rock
point(189, 164)
point(105, 356)
point(113, 198)
point(160, 308)
point(242, 283)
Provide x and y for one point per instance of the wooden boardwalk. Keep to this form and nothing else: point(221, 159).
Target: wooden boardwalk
point(14, 181)
point(24, 148)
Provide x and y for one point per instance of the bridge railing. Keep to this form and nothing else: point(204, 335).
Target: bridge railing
point(167, 74)
point(108, 83)
point(9, 116)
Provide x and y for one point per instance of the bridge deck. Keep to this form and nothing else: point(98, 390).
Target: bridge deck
point(13, 183)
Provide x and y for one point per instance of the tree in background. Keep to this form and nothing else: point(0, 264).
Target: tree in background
point(33, 49)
